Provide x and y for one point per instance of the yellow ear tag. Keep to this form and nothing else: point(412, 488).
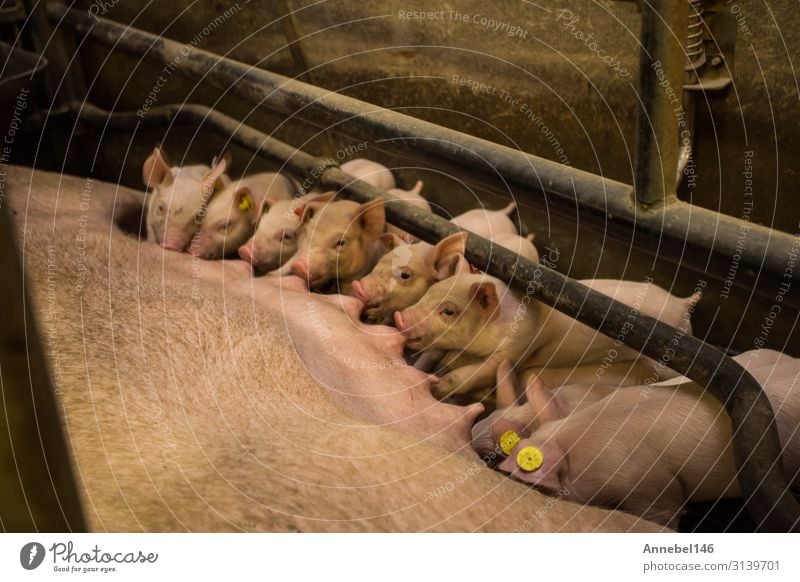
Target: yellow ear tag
point(508, 440)
point(529, 459)
point(246, 203)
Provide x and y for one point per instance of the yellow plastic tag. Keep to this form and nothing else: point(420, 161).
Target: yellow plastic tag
point(508, 440)
point(529, 459)
point(246, 203)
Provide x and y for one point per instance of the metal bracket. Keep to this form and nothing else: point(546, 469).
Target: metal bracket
point(710, 46)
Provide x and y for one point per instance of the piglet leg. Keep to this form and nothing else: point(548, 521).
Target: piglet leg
point(468, 378)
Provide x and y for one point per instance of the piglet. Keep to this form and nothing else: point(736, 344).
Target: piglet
point(523, 246)
point(644, 449)
point(276, 235)
point(232, 213)
point(487, 223)
point(413, 197)
point(370, 172)
point(480, 315)
point(340, 241)
point(404, 274)
point(179, 196)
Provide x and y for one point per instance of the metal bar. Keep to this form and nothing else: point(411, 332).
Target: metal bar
point(475, 160)
point(13, 13)
point(299, 59)
point(60, 87)
point(39, 492)
point(660, 89)
point(755, 438)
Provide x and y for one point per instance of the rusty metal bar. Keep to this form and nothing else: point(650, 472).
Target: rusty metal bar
point(755, 438)
point(476, 161)
point(661, 63)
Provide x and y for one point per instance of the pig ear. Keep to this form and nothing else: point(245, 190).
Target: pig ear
point(484, 295)
point(548, 475)
point(226, 158)
point(372, 218)
point(462, 266)
point(212, 182)
point(506, 385)
point(155, 170)
point(243, 199)
point(446, 254)
point(391, 241)
point(544, 404)
point(267, 203)
point(313, 206)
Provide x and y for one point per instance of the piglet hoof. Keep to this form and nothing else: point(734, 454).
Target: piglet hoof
point(445, 388)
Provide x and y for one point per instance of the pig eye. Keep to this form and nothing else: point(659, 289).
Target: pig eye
point(160, 208)
point(449, 311)
point(405, 275)
point(340, 243)
point(224, 226)
point(288, 235)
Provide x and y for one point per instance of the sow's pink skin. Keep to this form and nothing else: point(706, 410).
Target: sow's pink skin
point(644, 449)
point(361, 366)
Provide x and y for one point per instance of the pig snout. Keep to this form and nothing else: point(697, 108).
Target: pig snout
point(176, 238)
point(400, 321)
point(173, 244)
point(257, 261)
point(246, 253)
point(300, 268)
point(407, 325)
point(359, 292)
point(303, 268)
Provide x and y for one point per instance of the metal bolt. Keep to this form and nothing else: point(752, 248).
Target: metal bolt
point(716, 61)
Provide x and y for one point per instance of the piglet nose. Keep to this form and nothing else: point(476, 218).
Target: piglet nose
point(400, 321)
point(172, 246)
point(246, 253)
point(359, 292)
point(300, 269)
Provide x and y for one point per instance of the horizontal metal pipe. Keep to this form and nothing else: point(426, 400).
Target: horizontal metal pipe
point(475, 160)
point(755, 438)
